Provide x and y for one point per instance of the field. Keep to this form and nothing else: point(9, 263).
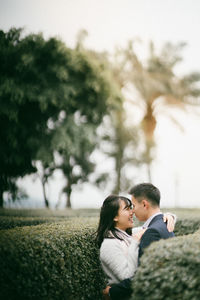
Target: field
point(180, 212)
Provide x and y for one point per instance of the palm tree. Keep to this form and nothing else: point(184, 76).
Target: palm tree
point(122, 136)
point(122, 139)
point(155, 84)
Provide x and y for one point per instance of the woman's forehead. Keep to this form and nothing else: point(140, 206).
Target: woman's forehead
point(124, 204)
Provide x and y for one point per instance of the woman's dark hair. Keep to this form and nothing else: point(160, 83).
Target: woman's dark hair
point(109, 211)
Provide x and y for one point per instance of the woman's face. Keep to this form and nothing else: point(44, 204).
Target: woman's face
point(124, 219)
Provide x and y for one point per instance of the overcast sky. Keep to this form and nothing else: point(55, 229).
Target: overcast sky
point(111, 23)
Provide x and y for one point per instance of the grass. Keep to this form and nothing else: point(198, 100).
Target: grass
point(87, 212)
point(184, 213)
point(49, 212)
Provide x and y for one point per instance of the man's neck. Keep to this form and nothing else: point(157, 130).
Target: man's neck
point(153, 211)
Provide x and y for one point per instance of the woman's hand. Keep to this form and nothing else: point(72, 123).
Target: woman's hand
point(137, 236)
point(106, 293)
point(169, 219)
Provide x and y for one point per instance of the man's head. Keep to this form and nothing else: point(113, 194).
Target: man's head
point(146, 200)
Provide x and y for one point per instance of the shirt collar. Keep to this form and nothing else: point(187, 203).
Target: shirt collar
point(146, 224)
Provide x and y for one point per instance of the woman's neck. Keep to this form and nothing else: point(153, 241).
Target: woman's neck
point(124, 230)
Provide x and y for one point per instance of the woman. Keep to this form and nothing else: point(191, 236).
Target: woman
point(118, 247)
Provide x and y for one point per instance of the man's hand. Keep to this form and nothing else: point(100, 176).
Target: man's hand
point(106, 293)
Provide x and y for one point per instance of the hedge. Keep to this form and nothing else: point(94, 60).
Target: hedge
point(169, 270)
point(186, 226)
point(60, 260)
point(43, 212)
point(19, 218)
point(12, 222)
point(51, 261)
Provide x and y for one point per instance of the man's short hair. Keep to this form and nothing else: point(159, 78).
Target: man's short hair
point(147, 191)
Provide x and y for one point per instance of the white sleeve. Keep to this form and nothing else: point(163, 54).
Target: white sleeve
point(122, 265)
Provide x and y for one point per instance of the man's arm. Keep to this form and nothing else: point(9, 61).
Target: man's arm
point(121, 290)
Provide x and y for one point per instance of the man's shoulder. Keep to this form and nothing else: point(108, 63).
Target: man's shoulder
point(157, 230)
point(159, 226)
point(151, 231)
point(157, 222)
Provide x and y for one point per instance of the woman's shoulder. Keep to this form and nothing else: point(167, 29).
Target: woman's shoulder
point(109, 247)
point(107, 242)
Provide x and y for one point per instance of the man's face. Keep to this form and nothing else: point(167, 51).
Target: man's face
point(139, 209)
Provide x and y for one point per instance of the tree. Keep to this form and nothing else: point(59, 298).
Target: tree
point(119, 141)
point(122, 137)
point(154, 83)
point(45, 167)
point(74, 142)
point(39, 81)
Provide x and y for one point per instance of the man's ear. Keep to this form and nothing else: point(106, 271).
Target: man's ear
point(115, 219)
point(145, 203)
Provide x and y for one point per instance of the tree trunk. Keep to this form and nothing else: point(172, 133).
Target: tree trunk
point(1, 199)
point(2, 186)
point(44, 194)
point(149, 172)
point(59, 199)
point(117, 188)
point(149, 125)
point(68, 203)
point(119, 160)
point(149, 158)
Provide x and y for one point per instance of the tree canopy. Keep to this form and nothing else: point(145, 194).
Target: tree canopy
point(39, 80)
point(153, 83)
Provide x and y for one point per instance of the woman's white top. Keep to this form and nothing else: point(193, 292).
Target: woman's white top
point(119, 258)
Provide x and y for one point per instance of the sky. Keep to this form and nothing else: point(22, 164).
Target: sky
point(112, 23)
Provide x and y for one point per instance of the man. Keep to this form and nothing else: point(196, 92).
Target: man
point(146, 206)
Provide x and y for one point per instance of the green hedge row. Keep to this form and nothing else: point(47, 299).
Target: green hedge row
point(60, 260)
point(12, 222)
point(169, 270)
point(51, 261)
point(43, 212)
point(183, 226)
point(186, 226)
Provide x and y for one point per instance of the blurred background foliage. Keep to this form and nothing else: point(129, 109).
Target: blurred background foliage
point(58, 105)
point(52, 100)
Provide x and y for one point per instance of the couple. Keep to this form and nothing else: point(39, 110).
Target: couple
point(120, 246)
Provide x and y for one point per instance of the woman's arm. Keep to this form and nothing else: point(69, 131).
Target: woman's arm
point(115, 261)
point(170, 219)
